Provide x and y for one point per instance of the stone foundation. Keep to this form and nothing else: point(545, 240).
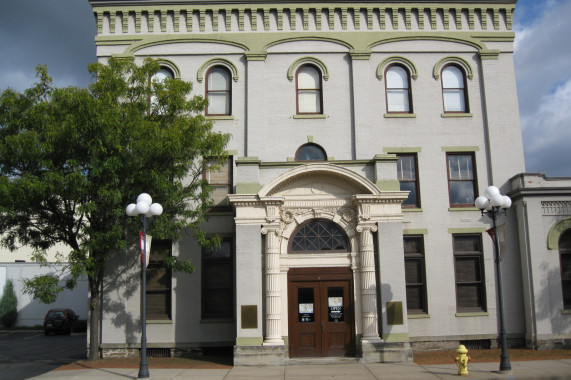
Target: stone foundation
point(259, 355)
point(382, 352)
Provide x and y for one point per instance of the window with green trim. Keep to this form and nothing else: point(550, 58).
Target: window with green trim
point(416, 302)
point(408, 179)
point(308, 89)
point(469, 273)
point(159, 283)
point(461, 179)
point(454, 93)
point(397, 87)
point(219, 91)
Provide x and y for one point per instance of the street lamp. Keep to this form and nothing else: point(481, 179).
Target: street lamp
point(493, 204)
point(146, 208)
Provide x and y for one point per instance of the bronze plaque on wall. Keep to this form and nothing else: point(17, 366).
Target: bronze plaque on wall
point(394, 313)
point(249, 316)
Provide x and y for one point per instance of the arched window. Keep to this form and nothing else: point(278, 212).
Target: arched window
point(219, 91)
point(565, 261)
point(310, 152)
point(160, 77)
point(397, 86)
point(319, 236)
point(308, 88)
point(454, 89)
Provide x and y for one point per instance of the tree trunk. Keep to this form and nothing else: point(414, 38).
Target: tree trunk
point(95, 318)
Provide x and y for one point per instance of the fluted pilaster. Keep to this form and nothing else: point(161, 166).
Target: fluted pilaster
point(368, 281)
point(273, 334)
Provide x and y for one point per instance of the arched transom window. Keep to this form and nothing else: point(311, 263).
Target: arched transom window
point(310, 152)
point(319, 236)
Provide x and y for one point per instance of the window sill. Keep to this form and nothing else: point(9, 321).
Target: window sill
point(473, 314)
point(319, 116)
point(418, 316)
point(221, 117)
point(566, 312)
point(400, 115)
point(464, 209)
point(159, 321)
point(459, 114)
point(411, 209)
point(220, 320)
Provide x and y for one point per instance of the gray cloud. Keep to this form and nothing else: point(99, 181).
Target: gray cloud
point(543, 71)
point(56, 33)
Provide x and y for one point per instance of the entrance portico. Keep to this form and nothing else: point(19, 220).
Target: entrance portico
point(309, 193)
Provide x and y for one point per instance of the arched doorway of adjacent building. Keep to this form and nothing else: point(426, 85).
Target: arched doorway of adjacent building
point(320, 299)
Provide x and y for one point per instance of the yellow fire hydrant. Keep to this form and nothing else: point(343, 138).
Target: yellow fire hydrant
point(462, 360)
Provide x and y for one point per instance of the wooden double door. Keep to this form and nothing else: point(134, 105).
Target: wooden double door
point(321, 317)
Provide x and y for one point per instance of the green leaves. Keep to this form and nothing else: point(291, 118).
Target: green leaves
point(71, 159)
point(44, 288)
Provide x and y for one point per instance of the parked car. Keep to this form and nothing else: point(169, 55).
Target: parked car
point(59, 320)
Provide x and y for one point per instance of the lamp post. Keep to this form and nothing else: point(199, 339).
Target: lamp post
point(493, 204)
point(146, 208)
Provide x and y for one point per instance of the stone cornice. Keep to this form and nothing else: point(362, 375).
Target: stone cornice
point(211, 16)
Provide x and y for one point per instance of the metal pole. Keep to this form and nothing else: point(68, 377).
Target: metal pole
point(505, 365)
point(143, 366)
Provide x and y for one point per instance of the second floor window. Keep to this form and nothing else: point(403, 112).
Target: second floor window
point(461, 179)
point(407, 175)
point(398, 90)
point(221, 180)
point(218, 92)
point(308, 87)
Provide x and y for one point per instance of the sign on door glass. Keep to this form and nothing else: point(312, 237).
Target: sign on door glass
point(305, 301)
point(335, 303)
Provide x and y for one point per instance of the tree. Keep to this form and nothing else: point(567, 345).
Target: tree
point(8, 306)
point(71, 159)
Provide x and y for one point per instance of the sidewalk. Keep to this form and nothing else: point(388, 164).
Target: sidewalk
point(538, 369)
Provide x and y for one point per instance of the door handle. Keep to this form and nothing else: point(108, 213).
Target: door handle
point(323, 326)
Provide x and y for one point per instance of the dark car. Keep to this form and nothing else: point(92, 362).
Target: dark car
point(59, 320)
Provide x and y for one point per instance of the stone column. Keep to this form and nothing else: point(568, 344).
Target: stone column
point(368, 282)
point(273, 336)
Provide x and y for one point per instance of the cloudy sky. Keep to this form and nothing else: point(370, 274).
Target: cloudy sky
point(60, 33)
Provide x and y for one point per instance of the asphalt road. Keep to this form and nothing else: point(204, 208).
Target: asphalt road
point(28, 354)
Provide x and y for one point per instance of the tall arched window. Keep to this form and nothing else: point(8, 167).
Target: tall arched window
point(565, 261)
point(310, 152)
point(308, 88)
point(319, 236)
point(160, 77)
point(219, 91)
point(454, 91)
point(397, 86)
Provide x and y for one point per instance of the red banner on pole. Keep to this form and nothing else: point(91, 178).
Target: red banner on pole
point(142, 247)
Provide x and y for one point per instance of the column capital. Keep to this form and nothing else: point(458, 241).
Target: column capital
point(271, 228)
point(366, 226)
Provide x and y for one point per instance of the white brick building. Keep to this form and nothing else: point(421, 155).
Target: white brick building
point(337, 109)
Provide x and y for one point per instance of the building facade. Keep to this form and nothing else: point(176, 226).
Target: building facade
point(361, 133)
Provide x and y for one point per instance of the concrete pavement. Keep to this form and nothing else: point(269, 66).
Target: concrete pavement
point(539, 369)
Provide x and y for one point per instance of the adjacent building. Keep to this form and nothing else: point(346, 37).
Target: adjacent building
point(362, 132)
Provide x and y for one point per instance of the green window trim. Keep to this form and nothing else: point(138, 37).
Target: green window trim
point(217, 61)
point(459, 114)
point(452, 59)
point(397, 59)
point(399, 115)
point(555, 232)
point(308, 60)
